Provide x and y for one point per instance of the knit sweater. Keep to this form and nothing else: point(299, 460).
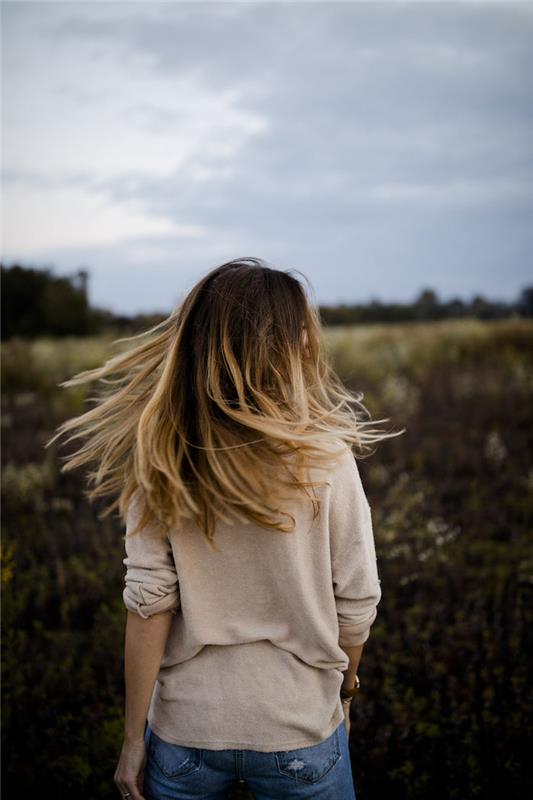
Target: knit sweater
point(254, 657)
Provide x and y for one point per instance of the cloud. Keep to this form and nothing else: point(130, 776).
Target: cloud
point(361, 143)
point(63, 217)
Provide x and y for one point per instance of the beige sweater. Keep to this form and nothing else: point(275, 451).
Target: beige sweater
point(253, 657)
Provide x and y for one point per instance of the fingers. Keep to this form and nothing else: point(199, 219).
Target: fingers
point(134, 792)
point(130, 791)
point(129, 774)
point(347, 718)
point(129, 788)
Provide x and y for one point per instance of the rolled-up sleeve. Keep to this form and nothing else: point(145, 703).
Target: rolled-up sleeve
point(356, 583)
point(151, 579)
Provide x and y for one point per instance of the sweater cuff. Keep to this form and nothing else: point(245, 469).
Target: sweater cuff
point(146, 600)
point(350, 635)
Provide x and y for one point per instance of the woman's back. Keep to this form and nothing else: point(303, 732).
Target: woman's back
point(253, 657)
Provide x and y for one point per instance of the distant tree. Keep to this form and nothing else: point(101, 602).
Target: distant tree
point(427, 305)
point(456, 308)
point(481, 307)
point(35, 302)
point(525, 302)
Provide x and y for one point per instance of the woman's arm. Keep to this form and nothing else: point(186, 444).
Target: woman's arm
point(152, 598)
point(144, 649)
point(356, 581)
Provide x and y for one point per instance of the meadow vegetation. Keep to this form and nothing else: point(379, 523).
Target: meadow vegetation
point(445, 709)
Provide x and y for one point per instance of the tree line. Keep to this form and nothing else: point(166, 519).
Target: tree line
point(36, 302)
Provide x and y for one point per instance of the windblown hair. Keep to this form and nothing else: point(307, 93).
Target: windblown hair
point(219, 411)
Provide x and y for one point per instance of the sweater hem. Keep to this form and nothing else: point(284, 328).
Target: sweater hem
point(227, 744)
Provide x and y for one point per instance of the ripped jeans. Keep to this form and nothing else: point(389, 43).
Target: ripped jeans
point(322, 771)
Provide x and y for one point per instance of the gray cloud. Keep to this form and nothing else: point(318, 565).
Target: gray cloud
point(396, 150)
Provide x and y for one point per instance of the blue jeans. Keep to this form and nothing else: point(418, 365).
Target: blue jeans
point(322, 771)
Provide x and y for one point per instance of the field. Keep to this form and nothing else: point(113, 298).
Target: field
point(445, 709)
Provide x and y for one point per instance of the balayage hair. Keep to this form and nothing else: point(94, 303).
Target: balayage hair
point(219, 411)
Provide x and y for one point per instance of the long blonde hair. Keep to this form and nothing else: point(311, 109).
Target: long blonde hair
point(221, 409)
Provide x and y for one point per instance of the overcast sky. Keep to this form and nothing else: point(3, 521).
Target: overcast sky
point(378, 147)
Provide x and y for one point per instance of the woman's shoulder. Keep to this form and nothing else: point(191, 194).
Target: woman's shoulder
point(338, 466)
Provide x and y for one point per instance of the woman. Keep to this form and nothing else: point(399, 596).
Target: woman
point(251, 581)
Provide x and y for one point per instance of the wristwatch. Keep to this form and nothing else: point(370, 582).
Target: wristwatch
point(347, 694)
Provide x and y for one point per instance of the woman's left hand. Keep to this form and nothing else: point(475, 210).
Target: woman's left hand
point(129, 774)
point(347, 722)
